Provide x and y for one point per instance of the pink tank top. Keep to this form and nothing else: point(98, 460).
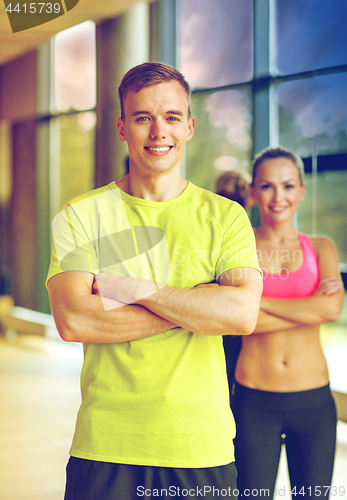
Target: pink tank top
point(300, 283)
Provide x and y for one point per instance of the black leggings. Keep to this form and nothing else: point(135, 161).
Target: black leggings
point(305, 421)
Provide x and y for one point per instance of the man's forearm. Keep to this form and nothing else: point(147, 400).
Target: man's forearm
point(81, 316)
point(193, 309)
point(218, 310)
point(97, 326)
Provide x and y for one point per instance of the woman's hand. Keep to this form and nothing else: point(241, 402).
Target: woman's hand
point(328, 286)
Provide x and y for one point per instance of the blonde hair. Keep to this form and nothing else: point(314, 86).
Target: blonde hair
point(279, 152)
point(234, 186)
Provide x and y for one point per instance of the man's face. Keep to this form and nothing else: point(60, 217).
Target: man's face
point(156, 127)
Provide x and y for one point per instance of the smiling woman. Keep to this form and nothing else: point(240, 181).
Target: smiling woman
point(282, 379)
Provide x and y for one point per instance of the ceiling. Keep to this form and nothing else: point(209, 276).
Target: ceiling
point(14, 44)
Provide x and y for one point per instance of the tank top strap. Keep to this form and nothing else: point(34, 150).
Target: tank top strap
point(309, 255)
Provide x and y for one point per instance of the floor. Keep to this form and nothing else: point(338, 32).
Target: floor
point(39, 399)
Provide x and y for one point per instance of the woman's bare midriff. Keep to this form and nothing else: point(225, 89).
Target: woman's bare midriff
point(285, 361)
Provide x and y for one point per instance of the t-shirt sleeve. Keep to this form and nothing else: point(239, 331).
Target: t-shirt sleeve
point(238, 247)
point(72, 248)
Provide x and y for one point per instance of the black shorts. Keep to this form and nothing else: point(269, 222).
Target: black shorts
point(91, 480)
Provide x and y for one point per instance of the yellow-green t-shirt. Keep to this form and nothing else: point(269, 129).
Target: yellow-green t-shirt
point(162, 400)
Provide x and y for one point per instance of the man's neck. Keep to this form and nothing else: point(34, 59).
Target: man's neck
point(153, 188)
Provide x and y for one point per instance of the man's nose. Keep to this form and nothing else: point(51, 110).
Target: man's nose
point(158, 129)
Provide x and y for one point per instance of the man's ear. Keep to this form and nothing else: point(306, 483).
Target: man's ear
point(191, 128)
point(121, 129)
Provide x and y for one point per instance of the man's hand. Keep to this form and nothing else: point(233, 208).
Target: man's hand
point(81, 316)
point(229, 307)
point(206, 285)
point(123, 289)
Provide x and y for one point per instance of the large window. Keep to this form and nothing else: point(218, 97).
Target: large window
point(73, 154)
point(312, 120)
point(313, 114)
point(216, 55)
point(73, 68)
point(267, 73)
point(311, 34)
point(216, 41)
point(222, 136)
point(66, 131)
point(71, 115)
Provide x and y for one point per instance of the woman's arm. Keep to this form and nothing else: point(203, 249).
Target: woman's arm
point(322, 307)
point(268, 323)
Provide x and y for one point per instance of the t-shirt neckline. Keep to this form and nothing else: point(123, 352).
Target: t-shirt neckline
point(149, 203)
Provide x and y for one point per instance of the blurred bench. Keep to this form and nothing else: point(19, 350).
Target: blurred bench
point(16, 320)
point(341, 405)
point(6, 303)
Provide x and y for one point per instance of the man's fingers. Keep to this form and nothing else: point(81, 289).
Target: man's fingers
point(206, 285)
point(95, 288)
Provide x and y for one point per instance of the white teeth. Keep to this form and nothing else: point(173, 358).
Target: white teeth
point(158, 150)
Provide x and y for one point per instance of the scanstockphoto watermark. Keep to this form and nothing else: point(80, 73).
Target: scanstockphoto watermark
point(176, 491)
point(201, 492)
point(26, 14)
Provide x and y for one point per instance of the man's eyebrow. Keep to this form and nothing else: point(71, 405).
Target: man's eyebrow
point(135, 113)
point(170, 112)
point(175, 112)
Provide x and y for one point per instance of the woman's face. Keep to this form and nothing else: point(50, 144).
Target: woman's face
point(277, 188)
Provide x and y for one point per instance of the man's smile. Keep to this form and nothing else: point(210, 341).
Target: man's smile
point(158, 149)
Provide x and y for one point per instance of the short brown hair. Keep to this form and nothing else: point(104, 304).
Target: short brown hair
point(148, 74)
point(234, 186)
point(279, 152)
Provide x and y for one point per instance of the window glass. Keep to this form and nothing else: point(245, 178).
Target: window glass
point(312, 114)
point(73, 150)
point(222, 139)
point(74, 69)
point(312, 117)
point(311, 34)
point(328, 215)
point(216, 41)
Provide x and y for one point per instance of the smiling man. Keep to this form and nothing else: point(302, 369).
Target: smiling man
point(149, 273)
